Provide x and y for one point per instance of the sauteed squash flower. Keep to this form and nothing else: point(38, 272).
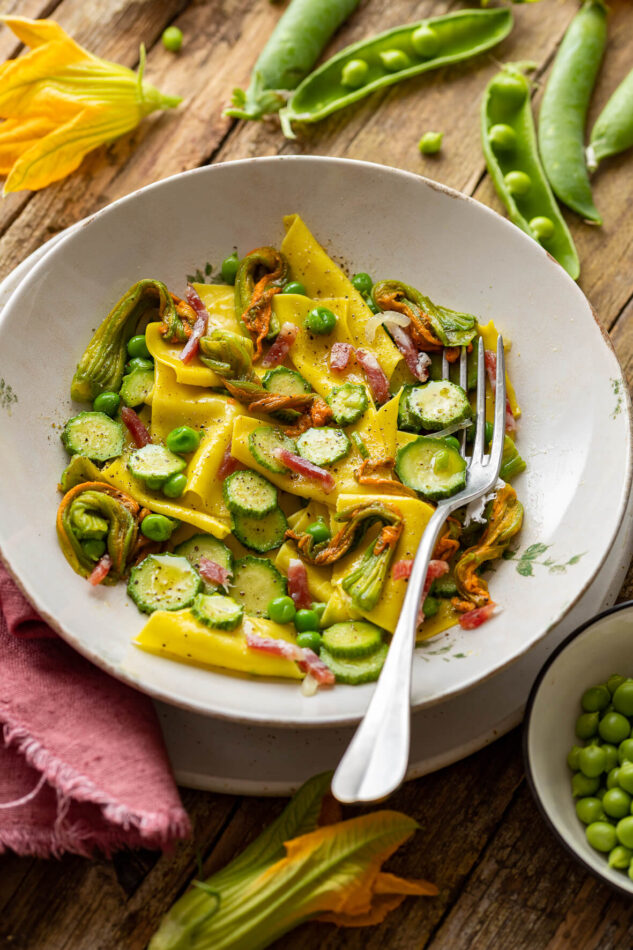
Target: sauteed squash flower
point(261, 459)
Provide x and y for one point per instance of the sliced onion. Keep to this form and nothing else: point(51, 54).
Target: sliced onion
point(309, 686)
point(466, 424)
point(388, 317)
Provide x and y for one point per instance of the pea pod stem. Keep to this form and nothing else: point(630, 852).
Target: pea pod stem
point(613, 131)
point(422, 46)
point(292, 50)
point(510, 149)
point(564, 109)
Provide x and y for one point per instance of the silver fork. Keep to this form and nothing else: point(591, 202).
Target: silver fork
point(376, 759)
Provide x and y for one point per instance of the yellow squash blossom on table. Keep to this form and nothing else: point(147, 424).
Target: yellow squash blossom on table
point(59, 102)
point(295, 871)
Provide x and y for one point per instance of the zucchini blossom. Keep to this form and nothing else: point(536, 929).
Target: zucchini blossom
point(432, 326)
point(295, 871)
point(95, 511)
point(101, 367)
point(59, 102)
point(504, 521)
point(260, 275)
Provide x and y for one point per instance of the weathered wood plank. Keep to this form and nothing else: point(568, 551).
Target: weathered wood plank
point(527, 892)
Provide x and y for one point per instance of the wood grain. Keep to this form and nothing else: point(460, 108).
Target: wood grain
point(504, 880)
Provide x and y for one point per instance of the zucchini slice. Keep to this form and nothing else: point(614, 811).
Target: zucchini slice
point(248, 493)
point(356, 670)
point(407, 420)
point(347, 402)
point(287, 382)
point(137, 387)
point(352, 639)
point(256, 581)
point(262, 443)
point(323, 446)
point(217, 611)
point(260, 534)
point(432, 467)
point(205, 545)
point(163, 582)
point(156, 463)
point(93, 435)
point(439, 404)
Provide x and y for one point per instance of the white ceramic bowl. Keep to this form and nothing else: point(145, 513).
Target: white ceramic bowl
point(602, 646)
point(575, 431)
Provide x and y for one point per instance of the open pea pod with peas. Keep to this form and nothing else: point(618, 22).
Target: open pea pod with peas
point(389, 57)
point(510, 148)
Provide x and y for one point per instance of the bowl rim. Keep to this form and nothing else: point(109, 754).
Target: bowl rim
point(529, 774)
point(157, 692)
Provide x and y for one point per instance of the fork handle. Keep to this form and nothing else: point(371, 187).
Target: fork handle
point(376, 760)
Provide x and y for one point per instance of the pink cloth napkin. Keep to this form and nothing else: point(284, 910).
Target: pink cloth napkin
point(83, 764)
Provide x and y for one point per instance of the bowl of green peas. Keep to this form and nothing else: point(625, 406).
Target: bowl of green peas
point(578, 744)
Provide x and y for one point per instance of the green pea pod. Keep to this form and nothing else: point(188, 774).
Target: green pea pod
point(101, 367)
point(613, 131)
point(430, 323)
point(391, 56)
point(564, 109)
point(97, 511)
point(509, 144)
point(292, 50)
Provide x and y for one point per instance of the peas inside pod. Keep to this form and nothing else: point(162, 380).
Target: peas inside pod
point(602, 783)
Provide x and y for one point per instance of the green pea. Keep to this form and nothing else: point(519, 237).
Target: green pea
point(319, 609)
point(624, 831)
point(502, 137)
point(394, 60)
point(137, 346)
point(138, 363)
point(589, 810)
point(489, 430)
point(592, 761)
point(172, 39)
point(362, 282)
point(441, 461)
point(587, 725)
point(354, 73)
point(183, 439)
point(282, 610)
point(611, 756)
point(319, 531)
point(601, 835)
point(595, 699)
point(430, 143)
point(614, 681)
point(430, 606)
point(518, 183)
point(510, 91)
point(582, 786)
point(620, 857)
point(613, 778)
point(294, 287)
point(107, 402)
point(572, 758)
point(175, 485)
point(425, 41)
point(320, 321)
point(310, 640)
point(625, 777)
point(93, 548)
point(625, 751)
point(453, 442)
point(614, 727)
point(157, 527)
point(228, 268)
point(616, 803)
point(306, 619)
point(542, 228)
point(154, 482)
point(623, 698)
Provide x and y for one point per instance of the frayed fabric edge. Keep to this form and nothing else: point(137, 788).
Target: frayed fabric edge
point(129, 828)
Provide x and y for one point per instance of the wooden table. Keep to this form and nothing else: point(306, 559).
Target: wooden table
point(505, 883)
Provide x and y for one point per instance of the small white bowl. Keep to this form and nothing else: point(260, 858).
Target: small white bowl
point(592, 653)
